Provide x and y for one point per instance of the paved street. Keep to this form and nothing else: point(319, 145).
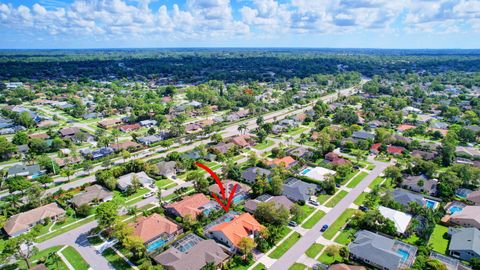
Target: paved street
point(296, 251)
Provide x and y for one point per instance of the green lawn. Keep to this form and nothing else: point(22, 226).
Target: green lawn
point(338, 224)
point(260, 266)
point(314, 250)
point(322, 198)
point(264, 145)
point(377, 181)
point(75, 259)
point(360, 199)
point(355, 181)
point(348, 177)
point(163, 183)
point(297, 131)
point(298, 266)
point(337, 198)
point(344, 238)
point(63, 230)
point(307, 210)
point(52, 262)
point(116, 261)
point(313, 219)
point(287, 244)
point(413, 239)
point(326, 259)
point(437, 240)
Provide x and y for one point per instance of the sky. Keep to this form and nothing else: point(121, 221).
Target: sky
point(406, 24)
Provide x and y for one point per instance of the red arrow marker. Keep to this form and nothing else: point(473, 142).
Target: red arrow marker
point(222, 189)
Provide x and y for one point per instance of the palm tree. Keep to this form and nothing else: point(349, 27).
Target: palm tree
point(115, 134)
point(242, 128)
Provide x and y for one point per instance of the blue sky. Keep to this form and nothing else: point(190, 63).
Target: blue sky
point(240, 23)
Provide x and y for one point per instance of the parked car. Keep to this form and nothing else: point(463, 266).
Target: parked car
point(312, 202)
point(292, 223)
point(337, 185)
point(363, 208)
point(148, 195)
point(324, 228)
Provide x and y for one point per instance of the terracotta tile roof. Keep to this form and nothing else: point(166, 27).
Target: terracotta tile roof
point(125, 145)
point(241, 140)
point(404, 127)
point(39, 136)
point(376, 147)
point(149, 228)
point(126, 128)
point(189, 205)
point(342, 266)
point(395, 149)
point(109, 122)
point(240, 227)
point(288, 160)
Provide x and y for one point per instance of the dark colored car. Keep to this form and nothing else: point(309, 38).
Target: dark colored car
point(363, 208)
point(292, 223)
point(324, 228)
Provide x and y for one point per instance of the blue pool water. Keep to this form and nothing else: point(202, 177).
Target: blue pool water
point(430, 204)
point(238, 199)
point(455, 209)
point(305, 171)
point(404, 255)
point(156, 244)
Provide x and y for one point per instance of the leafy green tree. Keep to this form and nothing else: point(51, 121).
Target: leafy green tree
point(20, 138)
point(107, 214)
point(277, 185)
point(6, 148)
point(269, 212)
point(21, 247)
point(17, 183)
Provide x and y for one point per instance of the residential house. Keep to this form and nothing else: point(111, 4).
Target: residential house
point(317, 173)
point(250, 174)
point(404, 127)
point(438, 125)
point(395, 150)
point(230, 233)
point(102, 152)
point(375, 148)
point(126, 145)
point(23, 222)
point(424, 154)
point(287, 162)
point(240, 194)
point(297, 190)
point(382, 252)
point(467, 151)
point(223, 147)
point(43, 136)
point(277, 129)
point(155, 227)
point(469, 216)
point(130, 127)
point(251, 205)
point(399, 139)
point(375, 124)
point(190, 205)
point(421, 184)
point(148, 123)
point(299, 152)
point(289, 123)
point(94, 193)
point(68, 132)
point(474, 197)
point(192, 127)
point(29, 171)
point(400, 219)
point(244, 141)
point(464, 243)
point(63, 161)
point(342, 266)
point(405, 197)
point(46, 123)
point(191, 252)
point(150, 139)
point(167, 168)
point(125, 181)
point(108, 123)
point(363, 135)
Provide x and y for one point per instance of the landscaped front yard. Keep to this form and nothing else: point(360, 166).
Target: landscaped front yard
point(116, 261)
point(361, 198)
point(264, 145)
point(75, 259)
point(437, 240)
point(313, 219)
point(314, 250)
point(337, 198)
point(285, 246)
point(298, 266)
point(339, 223)
point(322, 198)
point(307, 211)
point(355, 181)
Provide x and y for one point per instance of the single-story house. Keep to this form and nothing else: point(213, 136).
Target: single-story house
point(405, 197)
point(167, 168)
point(68, 132)
point(125, 181)
point(342, 266)
point(23, 222)
point(375, 148)
point(299, 152)
point(62, 162)
point(243, 141)
point(363, 135)
point(39, 136)
point(223, 147)
point(107, 123)
point(420, 183)
point(191, 252)
point(94, 193)
point(126, 145)
point(474, 197)
point(130, 127)
point(286, 162)
point(251, 205)
point(230, 233)
point(467, 151)
point(241, 192)
point(382, 252)
point(190, 205)
point(155, 227)
point(424, 154)
point(316, 173)
point(395, 150)
point(464, 243)
point(404, 127)
point(297, 190)
point(469, 216)
point(29, 171)
point(250, 174)
point(102, 152)
point(148, 123)
point(400, 219)
point(147, 140)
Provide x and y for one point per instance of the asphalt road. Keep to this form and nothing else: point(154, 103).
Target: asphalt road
point(297, 250)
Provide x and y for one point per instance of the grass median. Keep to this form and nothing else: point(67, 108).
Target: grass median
point(337, 198)
point(285, 246)
point(338, 224)
point(313, 219)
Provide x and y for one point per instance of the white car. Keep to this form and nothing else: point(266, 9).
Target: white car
point(148, 195)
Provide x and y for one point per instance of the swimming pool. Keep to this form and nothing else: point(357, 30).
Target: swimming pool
point(430, 204)
point(305, 171)
point(404, 255)
point(238, 198)
point(156, 244)
point(454, 209)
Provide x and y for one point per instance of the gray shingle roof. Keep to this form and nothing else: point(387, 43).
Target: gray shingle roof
point(297, 190)
point(250, 174)
point(465, 239)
